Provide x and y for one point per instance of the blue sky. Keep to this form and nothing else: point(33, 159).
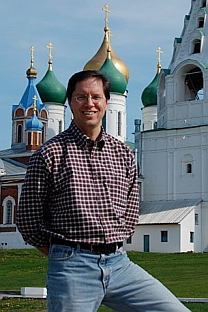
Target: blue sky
point(75, 29)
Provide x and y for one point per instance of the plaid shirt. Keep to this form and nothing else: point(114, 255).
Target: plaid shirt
point(79, 190)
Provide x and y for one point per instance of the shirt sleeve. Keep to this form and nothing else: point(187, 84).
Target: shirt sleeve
point(31, 213)
point(132, 211)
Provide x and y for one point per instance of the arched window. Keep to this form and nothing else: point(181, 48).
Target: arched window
point(196, 46)
point(8, 214)
point(188, 168)
point(194, 83)
point(19, 134)
point(201, 22)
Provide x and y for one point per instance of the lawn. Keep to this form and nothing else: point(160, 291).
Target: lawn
point(184, 274)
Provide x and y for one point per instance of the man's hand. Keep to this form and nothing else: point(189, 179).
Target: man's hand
point(44, 250)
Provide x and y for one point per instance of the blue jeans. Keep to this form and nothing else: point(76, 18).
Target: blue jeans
point(80, 281)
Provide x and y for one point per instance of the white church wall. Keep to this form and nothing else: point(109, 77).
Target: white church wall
point(155, 244)
point(198, 247)
point(149, 117)
point(154, 165)
point(56, 121)
point(116, 105)
point(187, 226)
point(12, 240)
point(165, 157)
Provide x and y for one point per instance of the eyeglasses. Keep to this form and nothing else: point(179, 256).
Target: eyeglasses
point(82, 98)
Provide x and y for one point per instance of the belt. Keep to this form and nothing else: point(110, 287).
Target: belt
point(99, 248)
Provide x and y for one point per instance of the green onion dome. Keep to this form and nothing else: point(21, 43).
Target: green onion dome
point(50, 89)
point(149, 95)
point(117, 79)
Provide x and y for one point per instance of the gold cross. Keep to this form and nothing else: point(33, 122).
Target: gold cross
point(159, 51)
point(106, 14)
point(34, 103)
point(109, 36)
point(32, 49)
point(50, 47)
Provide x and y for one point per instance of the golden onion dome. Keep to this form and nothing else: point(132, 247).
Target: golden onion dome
point(31, 72)
point(99, 58)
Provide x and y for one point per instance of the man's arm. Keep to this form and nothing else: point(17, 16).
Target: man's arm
point(44, 250)
point(30, 213)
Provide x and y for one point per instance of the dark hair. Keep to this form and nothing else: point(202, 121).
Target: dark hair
point(85, 74)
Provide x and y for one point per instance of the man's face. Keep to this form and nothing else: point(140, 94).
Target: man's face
point(88, 114)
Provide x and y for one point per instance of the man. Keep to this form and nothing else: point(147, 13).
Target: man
point(79, 203)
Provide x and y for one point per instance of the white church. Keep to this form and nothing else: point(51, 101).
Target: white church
point(171, 145)
point(170, 142)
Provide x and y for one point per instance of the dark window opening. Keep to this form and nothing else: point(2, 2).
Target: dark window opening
point(201, 23)
point(194, 82)
point(196, 219)
point(164, 236)
point(129, 240)
point(189, 168)
point(191, 237)
point(19, 134)
point(9, 213)
point(197, 46)
point(204, 4)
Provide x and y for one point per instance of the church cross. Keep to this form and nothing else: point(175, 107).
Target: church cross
point(106, 14)
point(32, 49)
point(109, 36)
point(34, 103)
point(159, 51)
point(50, 47)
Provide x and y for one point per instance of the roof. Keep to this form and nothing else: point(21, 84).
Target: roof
point(167, 211)
point(11, 152)
point(13, 167)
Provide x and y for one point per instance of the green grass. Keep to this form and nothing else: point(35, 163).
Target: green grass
point(184, 274)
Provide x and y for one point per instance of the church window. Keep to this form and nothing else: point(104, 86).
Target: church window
point(60, 126)
point(187, 164)
point(43, 114)
point(19, 112)
point(8, 204)
point(189, 168)
point(201, 22)
point(196, 219)
point(204, 3)
point(191, 237)
point(196, 46)
point(119, 123)
point(30, 112)
point(164, 236)
point(194, 84)
point(19, 134)
point(129, 240)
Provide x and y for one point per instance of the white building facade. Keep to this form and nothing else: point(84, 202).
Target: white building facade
point(173, 158)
